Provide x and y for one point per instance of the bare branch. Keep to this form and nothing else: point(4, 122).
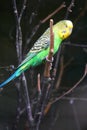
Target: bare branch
point(47, 108)
point(27, 100)
point(38, 84)
point(75, 45)
point(51, 50)
point(69, 9)
point(22, 10)
point(52, 14)
point(17, 29)
point(19, 55)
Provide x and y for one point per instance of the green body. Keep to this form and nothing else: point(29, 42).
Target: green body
point(34, 58)
point(41, 48)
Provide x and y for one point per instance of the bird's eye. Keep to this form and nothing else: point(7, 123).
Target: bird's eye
point(63, 36)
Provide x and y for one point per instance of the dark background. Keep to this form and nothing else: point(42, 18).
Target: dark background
point(72, 111)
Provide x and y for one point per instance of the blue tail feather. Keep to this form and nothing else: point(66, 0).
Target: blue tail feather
point(13, 76)
point(16, 74)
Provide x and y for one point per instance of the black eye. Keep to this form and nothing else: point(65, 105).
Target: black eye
point(63, 36)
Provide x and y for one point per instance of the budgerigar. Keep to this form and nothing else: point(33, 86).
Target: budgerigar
point(41, 48)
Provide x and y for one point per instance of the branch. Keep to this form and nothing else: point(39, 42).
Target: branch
point(18, 33)
point(69, 9)
point(38, 84)
point(19, 55)
point(49, 59)
point(22, 10)
point(75, 45)
point(52, 14)
point(27, 101)
point(17, 29)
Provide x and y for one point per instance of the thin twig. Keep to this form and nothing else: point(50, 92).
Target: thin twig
point(49, 59)
point(75, 45)
point(22, 10)
point(75, 99)
point(38, 84)
point(52, 14)
point(69, 9)
point(47, 108)
point(17, 23)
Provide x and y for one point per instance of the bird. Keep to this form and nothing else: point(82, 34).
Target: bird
point(40, 49)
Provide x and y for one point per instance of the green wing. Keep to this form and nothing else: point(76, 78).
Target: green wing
point(41, 44)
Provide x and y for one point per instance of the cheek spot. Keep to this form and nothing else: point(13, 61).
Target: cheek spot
point(63, 36)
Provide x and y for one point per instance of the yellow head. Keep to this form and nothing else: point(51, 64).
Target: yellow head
point(63, 28)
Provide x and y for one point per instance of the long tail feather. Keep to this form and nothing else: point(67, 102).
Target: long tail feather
point(17, 73)
point(13, 76)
